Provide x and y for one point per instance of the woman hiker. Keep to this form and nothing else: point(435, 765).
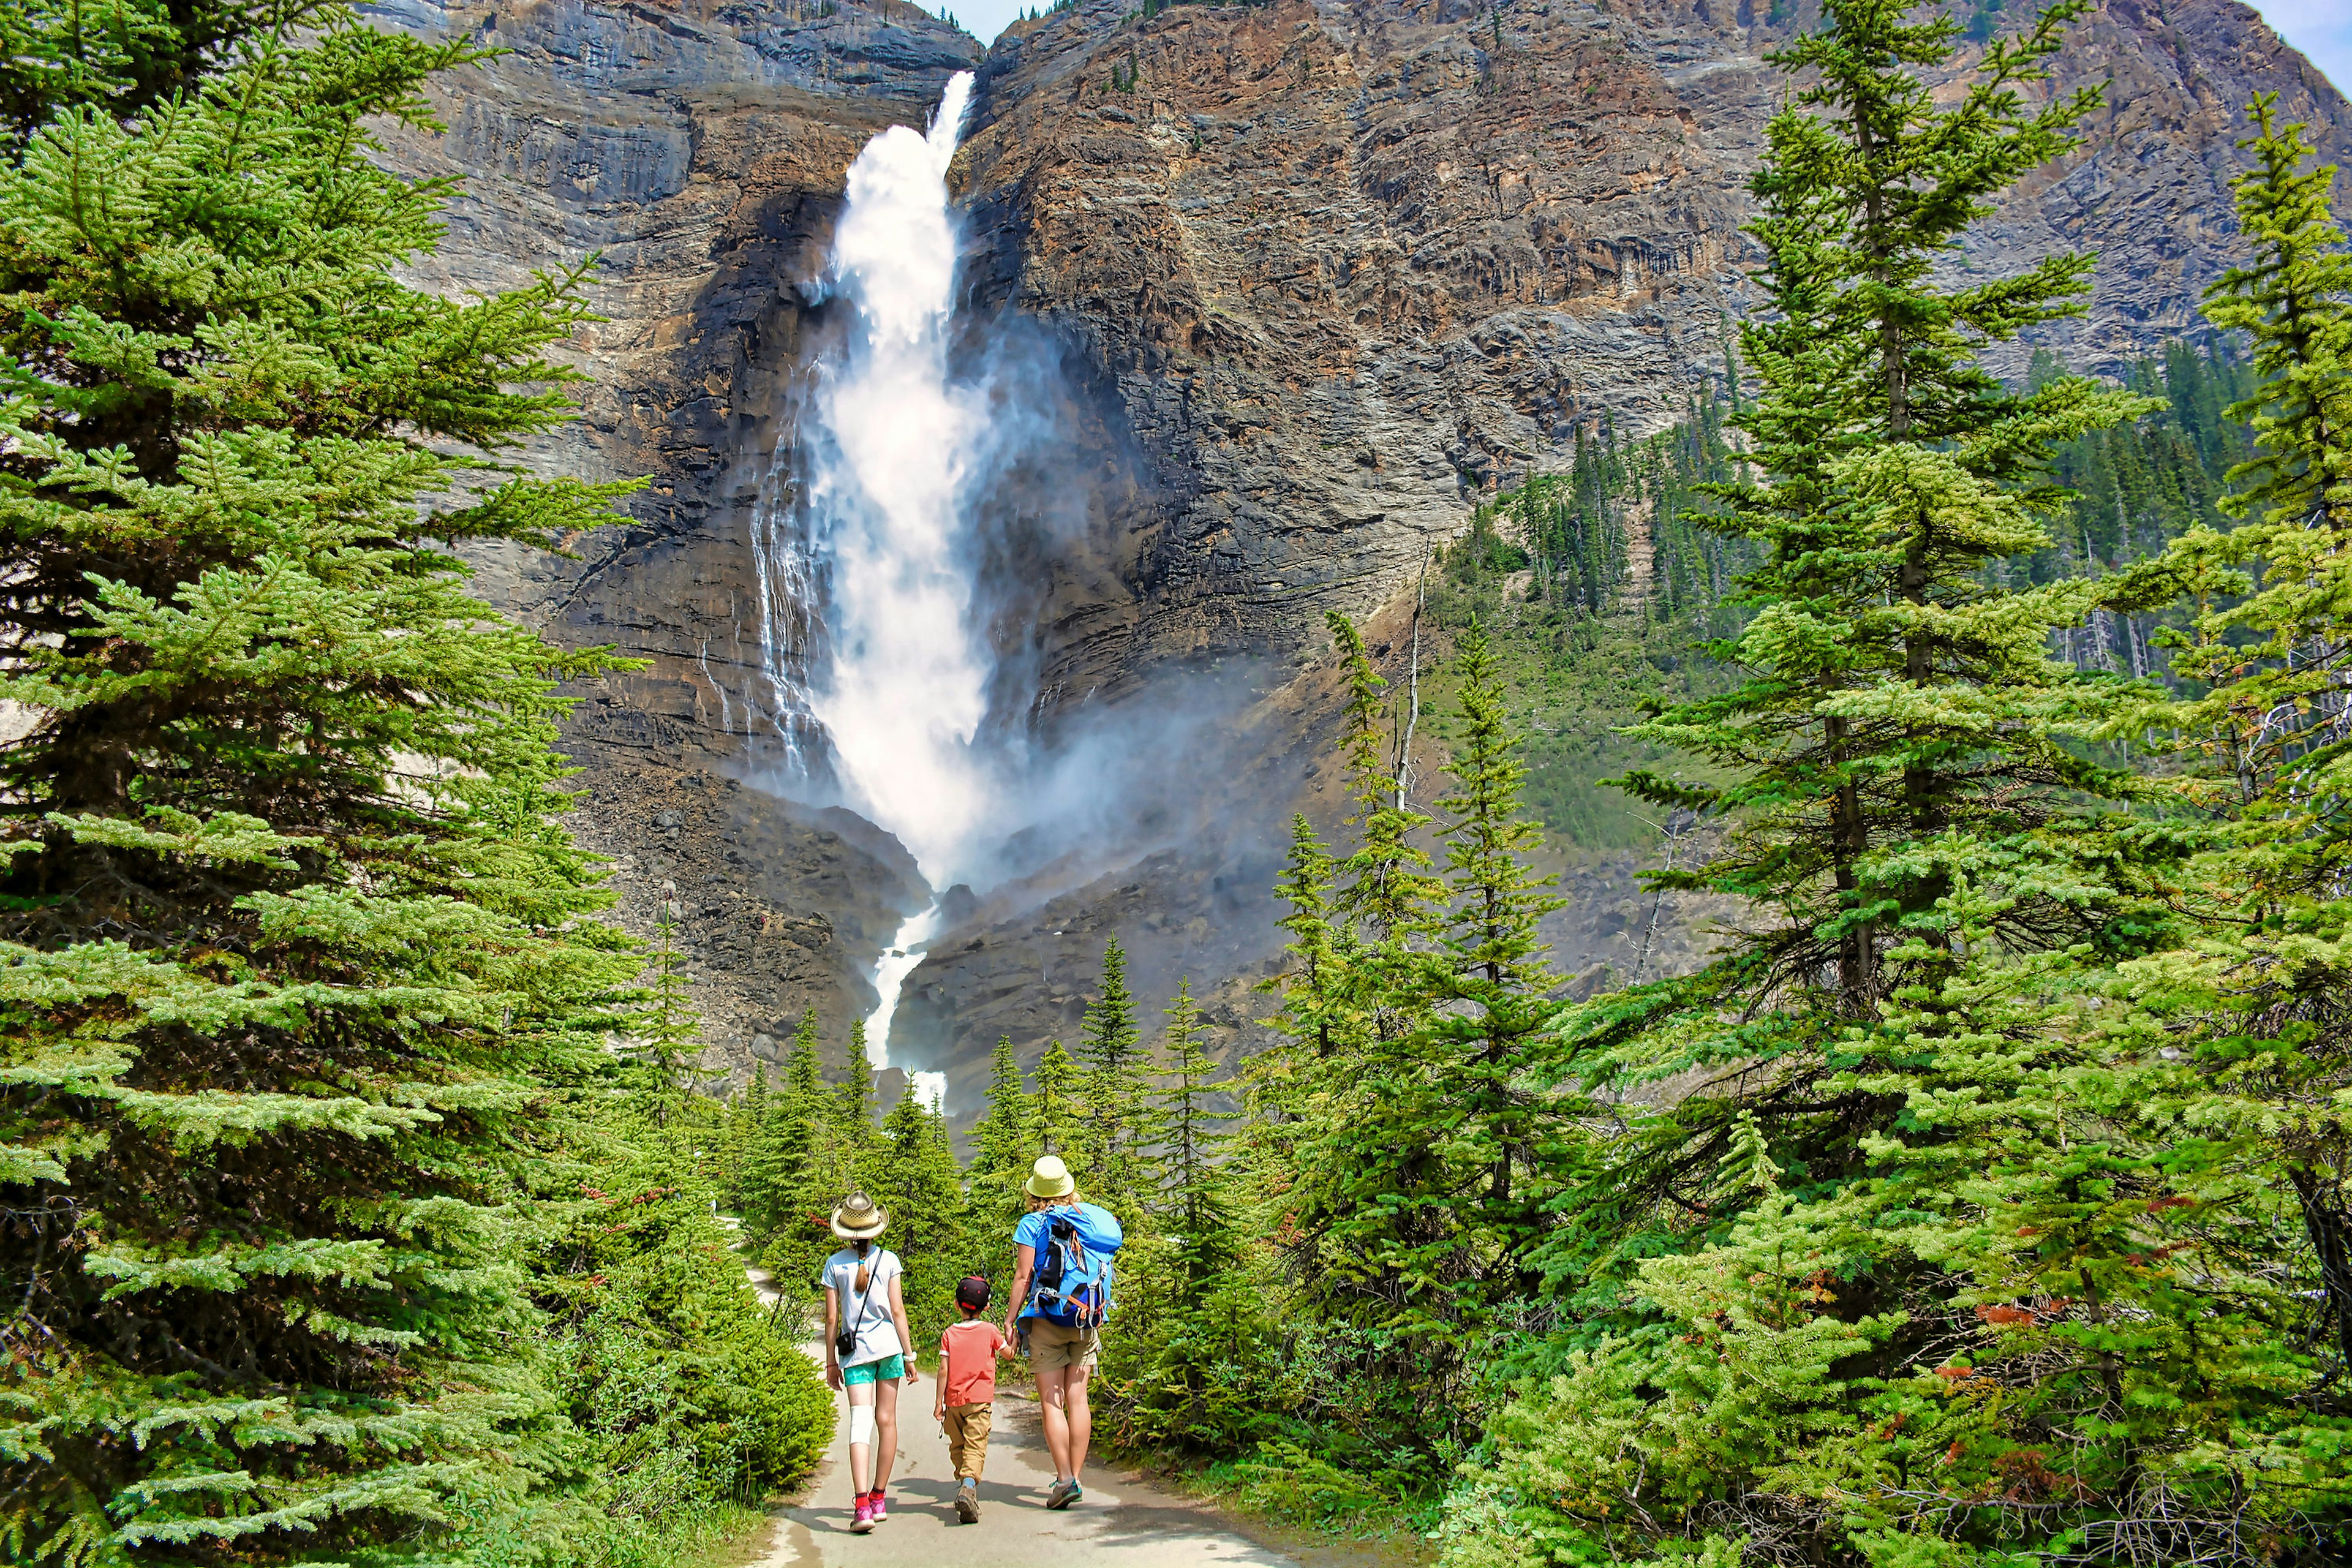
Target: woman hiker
point(866, 1344)
point(1062, 1355)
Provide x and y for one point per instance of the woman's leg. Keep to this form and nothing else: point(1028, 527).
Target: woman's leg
point(861, 1454)
point(1078, 1421)
point(886, 1430)
point(1052, 1384)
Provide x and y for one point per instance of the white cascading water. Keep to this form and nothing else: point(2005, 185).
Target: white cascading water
point(899, 685)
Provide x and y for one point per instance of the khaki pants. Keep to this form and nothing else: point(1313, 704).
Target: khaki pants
point(967, 1437)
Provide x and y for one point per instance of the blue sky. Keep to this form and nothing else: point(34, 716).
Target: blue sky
point(2321, 29)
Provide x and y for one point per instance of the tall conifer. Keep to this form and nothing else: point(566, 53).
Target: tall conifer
point(293, 946)
point(914, 1176)
point(1490, 968)
point(1195, 1200)
point(1058, 1106)
point(1003, 1143)
point(1110, 1048)
point(1935, 1204)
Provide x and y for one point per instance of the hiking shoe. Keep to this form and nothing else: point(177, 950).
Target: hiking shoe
point(862, 1520)
point(881, 1506)
point(1062, 1494)
point(968, 1503)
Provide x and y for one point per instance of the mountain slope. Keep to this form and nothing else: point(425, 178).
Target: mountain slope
point(1292, 284)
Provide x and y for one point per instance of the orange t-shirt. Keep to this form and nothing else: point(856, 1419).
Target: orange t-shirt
point(967, 1354)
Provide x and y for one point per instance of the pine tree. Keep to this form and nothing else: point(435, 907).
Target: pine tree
point(1491, 971)
point(1057, 1108)
point(667, 1045)
point(1938, 1204)
point(2274, 722)
point(914, 1176)
point(747, 1117)
point(1001, 1145)
point(2295, 302)
point(1110, 1048)
point(853, 1116)
point(777, 1162)
point(294, 942)
point(1195, 1201)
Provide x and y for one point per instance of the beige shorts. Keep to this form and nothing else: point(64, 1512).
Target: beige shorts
point(1052, 1345)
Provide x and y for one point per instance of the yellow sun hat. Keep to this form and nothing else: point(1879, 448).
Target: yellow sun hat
point(1049, 1178)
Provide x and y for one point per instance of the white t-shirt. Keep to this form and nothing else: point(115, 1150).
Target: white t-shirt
point(867, 1310)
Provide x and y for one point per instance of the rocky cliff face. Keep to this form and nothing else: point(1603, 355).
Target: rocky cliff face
point(1347, 265)
point(697, 150)
point(1301, 280)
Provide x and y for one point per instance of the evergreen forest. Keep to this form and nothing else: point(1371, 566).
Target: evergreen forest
point(1979, 1201)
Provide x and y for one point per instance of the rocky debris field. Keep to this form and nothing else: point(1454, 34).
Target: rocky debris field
point(778, 910)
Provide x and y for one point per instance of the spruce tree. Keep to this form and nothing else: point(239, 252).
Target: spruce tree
point(2273, 722)
point(295, 946)
point(667, 1046)
point(778, 1170)
point(1900, 718)
point(2272, 655)
point(1899, 470)
point(747, 1115)
point(1195, 1201)
point(1057, 1107)
point(804, 1090)
point(1002, 1144)
point(1110, 1049)
point(1490, 969)
point(845, 1146)
point(1371, 1213)
point(1383, 889)
point(852, 1113)
point(2294, 300)
point(1316, 1014)
point(916, 1177)
point(1939, 1222)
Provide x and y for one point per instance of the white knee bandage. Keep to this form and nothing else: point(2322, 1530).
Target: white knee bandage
point(861, 1425)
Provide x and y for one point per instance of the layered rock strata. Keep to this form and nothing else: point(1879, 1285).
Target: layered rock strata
point(1297, 283)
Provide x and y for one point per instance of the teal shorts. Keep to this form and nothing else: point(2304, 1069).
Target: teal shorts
point(889, 1369)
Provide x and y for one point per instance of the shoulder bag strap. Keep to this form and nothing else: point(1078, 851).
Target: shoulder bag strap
point(858, 1323)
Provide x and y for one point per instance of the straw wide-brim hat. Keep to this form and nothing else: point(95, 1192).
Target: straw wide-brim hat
point(859, 1219)
point(1049, 1178)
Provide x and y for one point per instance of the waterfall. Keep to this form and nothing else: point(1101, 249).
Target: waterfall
point(867, 642)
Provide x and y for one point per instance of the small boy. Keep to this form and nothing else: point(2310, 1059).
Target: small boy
point(966, 1401)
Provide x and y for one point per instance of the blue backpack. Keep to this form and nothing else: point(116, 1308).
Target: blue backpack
point(1073, 1276)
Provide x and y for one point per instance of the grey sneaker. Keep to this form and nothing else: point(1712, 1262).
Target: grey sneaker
point(1064, 1494)
point(968, 1503)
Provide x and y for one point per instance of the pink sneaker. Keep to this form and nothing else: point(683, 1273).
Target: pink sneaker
point(862, 1520)
point(881, 1506)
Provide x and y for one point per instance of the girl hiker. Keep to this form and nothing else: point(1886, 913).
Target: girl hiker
point(1061, 1291)
point(866, 1341)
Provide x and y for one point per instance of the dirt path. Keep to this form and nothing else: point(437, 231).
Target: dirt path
point(1122, 1523)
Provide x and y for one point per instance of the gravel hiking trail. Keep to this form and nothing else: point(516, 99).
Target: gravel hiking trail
point(1121, 1523)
